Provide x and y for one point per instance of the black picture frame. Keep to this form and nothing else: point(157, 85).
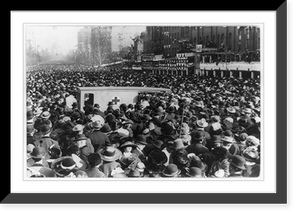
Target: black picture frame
point(280, 197)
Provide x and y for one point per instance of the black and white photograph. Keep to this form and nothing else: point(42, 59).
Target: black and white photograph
point(143, 101)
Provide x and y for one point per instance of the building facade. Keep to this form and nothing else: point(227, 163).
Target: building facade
point(166, 39)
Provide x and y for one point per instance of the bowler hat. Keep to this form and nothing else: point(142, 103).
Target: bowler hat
point(171, 171)
point(238, 161)
point(38, 152)
point(195, 172)
point(110, 154)
point(134, 173)
point(198, 135)
point(158, 144)
point(105, 128)
point(141, 139)
point(45, 129)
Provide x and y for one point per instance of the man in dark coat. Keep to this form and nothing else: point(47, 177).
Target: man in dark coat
point(99, 140)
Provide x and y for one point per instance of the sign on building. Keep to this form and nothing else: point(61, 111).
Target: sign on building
point(199, 48)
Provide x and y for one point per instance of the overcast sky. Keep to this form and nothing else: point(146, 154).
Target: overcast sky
point(64, 38)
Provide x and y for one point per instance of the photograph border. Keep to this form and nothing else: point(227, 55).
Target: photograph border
point(280, 197)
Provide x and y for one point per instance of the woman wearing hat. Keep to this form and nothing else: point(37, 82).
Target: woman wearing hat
point(110, 157)
point(155, 163)
point(64, 167)
point(127, 157)
point(220, 165)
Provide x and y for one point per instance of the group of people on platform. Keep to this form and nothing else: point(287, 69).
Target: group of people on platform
point(204, 128)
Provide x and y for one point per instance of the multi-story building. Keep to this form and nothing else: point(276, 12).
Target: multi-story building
point(238, 39)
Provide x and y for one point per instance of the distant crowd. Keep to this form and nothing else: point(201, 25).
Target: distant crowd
point(204, 128)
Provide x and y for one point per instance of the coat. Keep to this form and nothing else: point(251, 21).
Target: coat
point(94, 172)
point(46, 143)
point(108, 167)
point(98, 139)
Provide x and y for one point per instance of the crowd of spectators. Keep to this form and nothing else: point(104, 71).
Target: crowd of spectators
point(205, 127)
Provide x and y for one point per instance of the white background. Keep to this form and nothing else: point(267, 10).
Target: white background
point(265, 184)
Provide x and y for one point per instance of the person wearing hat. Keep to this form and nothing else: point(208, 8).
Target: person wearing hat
point(171, 171)
point(141, 142)
point(45, 141)
point(98, 139)
point(30, 132)
point(110, 157)
point(252, 162)
point(219, 168)
point(37, 164)
point(155, 163)
point(241, 141)
point(195, 172)
point(196, 145)
point(94, 161)
point(185, 134)
point(84, 143)
point(237, 166)
point(200, 126)
point(64, 167)
point(180, 157)
point(127, 157)
point(229, 143)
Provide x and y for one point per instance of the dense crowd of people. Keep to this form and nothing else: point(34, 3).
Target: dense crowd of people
point(204, 128)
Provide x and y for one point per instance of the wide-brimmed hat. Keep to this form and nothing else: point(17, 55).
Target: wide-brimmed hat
point(45, 115)
point(238, 161)
point(78, 128)
point(97, 124)
point(220, 152)
point(231, 109)
point(178, 144)
point(228, 139)
point(201, 123)
point(171, 170)
point(64, 166)
point(246, 111)
point(38, 152)
point(252, 141)
point(128, 143)
point(250, 155)
point(195, 172)
point(110, 154)
point(199, 104)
